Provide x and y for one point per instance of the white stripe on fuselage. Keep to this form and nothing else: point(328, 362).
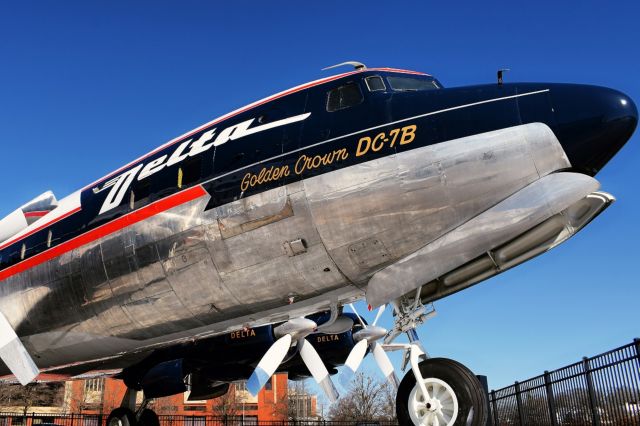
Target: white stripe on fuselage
point(275, 157)
point(120, 184)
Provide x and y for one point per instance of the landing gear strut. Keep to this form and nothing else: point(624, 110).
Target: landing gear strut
point(126, 416)
point(437, 391)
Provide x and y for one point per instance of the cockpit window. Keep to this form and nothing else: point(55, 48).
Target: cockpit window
point(411, 84)
point(344, 97)
point(374, 83)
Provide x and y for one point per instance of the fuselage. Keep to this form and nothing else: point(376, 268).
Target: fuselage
point(287, 206)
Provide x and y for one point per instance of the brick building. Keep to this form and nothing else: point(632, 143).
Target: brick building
point(100, 396)
point(303, 405)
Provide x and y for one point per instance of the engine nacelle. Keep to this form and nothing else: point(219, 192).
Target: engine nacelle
point(164, 379)
point(233, 356)
point(204, 388)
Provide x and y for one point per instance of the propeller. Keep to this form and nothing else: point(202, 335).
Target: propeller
point(294, 330)
point(268, 364)
point(317, 368)
point(367, 339)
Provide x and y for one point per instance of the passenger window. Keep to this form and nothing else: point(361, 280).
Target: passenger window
point(190, 172)
point(411, 84)
point(344, 97)
point(374, 83)
point(140, 194)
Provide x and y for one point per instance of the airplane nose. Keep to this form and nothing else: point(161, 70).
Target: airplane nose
point(592, 123)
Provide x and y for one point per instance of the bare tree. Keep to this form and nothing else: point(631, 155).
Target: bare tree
point(573, 407)
point(297, 404)
point(388, 401)
point(163, 406)
point(367, 399)
point(229, 404)
point(32, 395)
point(283, 408)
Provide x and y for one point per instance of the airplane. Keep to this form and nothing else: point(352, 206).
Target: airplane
point(234, 250)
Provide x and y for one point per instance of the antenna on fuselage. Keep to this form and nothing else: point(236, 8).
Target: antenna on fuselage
point(500, 73)
point(355, 64)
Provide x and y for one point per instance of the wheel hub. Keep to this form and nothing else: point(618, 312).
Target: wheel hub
point(434, 405)
point(438, 408)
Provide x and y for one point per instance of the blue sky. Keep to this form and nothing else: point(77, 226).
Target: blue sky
point(86, 87)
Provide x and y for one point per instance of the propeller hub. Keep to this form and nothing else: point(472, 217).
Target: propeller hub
point(371, 333)
point(297, 328)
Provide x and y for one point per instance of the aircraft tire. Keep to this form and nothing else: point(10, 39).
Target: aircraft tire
point(148, 418)
point(122, 417)
point(461, 399)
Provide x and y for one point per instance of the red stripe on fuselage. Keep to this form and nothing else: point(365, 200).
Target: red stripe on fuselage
point(14, 240)
point(36, 214)
point(106, 229)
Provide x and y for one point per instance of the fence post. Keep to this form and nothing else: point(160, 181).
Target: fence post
point(485, 388)
point(637, 342)
point(551, 401)
point(495, 408)
point(595, 416)
point(519, 404)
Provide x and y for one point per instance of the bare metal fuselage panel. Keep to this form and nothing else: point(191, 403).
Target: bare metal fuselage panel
point(302, 229)
point(233, 262)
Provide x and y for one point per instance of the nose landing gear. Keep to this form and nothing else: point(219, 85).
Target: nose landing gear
point(436, 391)
point(454, 396)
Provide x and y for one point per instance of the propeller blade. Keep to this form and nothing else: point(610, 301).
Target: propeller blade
point(353, 361)
point(268, 364)
point(384, 363)
point(356, 355)
point(358, 315)
point(379, 314)
point(319, 372)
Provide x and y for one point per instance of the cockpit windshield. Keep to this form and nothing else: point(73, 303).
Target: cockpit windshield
point(411, 84)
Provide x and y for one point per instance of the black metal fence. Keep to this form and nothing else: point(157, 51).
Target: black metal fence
point(602, 390)
point(35, 419)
